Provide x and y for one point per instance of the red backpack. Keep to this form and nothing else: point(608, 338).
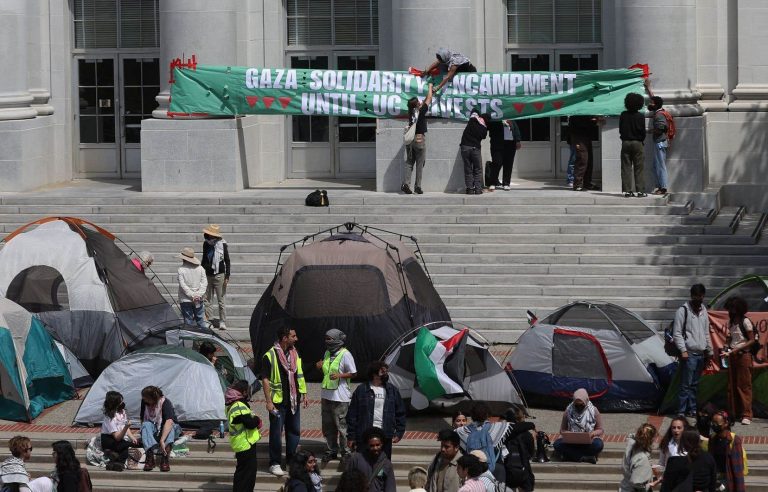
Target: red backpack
point(671, 129)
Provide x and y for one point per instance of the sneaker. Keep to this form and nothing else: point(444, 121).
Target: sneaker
point(578, 188)
point(406, 189)
point(478, 191)
point(492, 188)
point(470, 191)
point(589, 459)
point(418, 191)
point(641, 194)
point(507, 187)
point(222, 326)
point(276, 470)
point(569, 184)
point(745, 421)
point(628, 194)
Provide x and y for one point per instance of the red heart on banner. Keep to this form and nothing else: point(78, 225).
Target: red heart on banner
point(519, 107)
point(268, 101)
point(557, 104)
point(538, 105)
point(251, 100)
point(284, 101)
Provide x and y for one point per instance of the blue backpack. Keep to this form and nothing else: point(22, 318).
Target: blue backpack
point(481, 439)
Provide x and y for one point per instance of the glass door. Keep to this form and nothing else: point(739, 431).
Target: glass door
point(98, 153)
point(536, 157)
point(311, 150)
point(569, 61)
point(355, 137)
point(140, 84)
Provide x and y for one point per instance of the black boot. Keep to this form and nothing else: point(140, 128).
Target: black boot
point(542, 442)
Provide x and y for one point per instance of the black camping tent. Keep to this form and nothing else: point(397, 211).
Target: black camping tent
point(372, 289)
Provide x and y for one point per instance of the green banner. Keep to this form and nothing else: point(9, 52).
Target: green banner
point(205, 90)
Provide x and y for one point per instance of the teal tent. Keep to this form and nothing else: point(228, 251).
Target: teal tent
point(33, 374)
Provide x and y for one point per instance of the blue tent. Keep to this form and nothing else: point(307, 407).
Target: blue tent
point(33, 374)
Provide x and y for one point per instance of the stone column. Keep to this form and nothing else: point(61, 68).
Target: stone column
point(206, 29)
point(39, 56)
point(663, 35)
point(15, 99)
point(751, 92)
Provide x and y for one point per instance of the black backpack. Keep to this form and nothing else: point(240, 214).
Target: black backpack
point(318, 198)
point(669, 340)
point(517, 463)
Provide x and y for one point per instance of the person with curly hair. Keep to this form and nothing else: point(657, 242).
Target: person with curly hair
point(373, 462)
point(741, 337)
point(632, 134)
point(13, 473)
point(638, 474)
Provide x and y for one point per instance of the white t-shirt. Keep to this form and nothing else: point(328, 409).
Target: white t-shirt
point(379, 393)
point(115, 424)
point(342, 393)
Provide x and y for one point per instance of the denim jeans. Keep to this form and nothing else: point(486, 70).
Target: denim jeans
point(571, 162)
point(193, 315)
point(292, 424)
point(574, 452)
point(690, 373)
point(150, 434)
point(660, 163)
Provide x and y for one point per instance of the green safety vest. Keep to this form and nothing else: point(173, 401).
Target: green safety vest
point(330, 367)
point(275, 383)
point(240, 437)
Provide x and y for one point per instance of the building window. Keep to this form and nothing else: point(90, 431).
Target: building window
point(116, 24)
point(333, 22)
point(310, 128)
point(554, 21)
point(535, 129)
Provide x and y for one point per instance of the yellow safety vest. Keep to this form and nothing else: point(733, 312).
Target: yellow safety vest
point(330, 367)
point(275, 383)
point(240, 437)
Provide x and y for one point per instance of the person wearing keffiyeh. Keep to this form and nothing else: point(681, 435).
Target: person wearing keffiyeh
point(243, 435)
point(283, 382)
point(581, 416)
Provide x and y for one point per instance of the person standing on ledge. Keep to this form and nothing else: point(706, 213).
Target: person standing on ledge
point(217, 270)
point(416, 151)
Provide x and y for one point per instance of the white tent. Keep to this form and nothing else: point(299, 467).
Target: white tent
point(80, 377)
point(185, 377)
point(485, 380)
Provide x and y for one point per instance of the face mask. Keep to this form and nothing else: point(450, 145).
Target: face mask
point(580, 408)
point(651, 107)
point(121, 406)
point(717, 428)
point(384, 378)
point(696, 304)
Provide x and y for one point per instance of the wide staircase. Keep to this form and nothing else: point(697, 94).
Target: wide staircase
point(491, 257)
point(213, 471)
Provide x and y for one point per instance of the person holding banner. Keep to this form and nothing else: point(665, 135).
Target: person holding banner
point(416, 151)
point(475, 131)
point(741, 336)
point(450, 63)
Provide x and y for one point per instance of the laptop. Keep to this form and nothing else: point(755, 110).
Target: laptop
point(576, 437)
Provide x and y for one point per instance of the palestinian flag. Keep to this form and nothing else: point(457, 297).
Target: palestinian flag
point(439, 364)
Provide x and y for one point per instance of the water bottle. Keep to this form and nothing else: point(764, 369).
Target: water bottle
point(723, 359)
point(221, 429)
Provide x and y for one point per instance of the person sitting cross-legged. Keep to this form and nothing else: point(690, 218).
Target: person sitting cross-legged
point(581, 416)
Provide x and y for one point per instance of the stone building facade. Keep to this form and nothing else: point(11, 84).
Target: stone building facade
point(84, 86)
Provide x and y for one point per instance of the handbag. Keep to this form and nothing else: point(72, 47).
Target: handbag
point(409, 134)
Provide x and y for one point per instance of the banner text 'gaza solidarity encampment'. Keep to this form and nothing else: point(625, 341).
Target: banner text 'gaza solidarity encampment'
point(231, 91)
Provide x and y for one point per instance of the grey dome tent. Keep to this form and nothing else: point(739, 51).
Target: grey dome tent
point(372, 289)
point(80, 377)
point(484, 378)
point(184, 376)
point(82, 286)
point(601, 347)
